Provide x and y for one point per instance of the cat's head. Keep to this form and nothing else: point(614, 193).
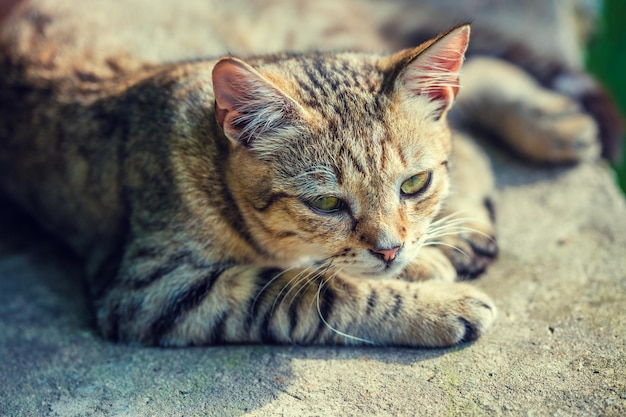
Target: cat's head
point(341, 159)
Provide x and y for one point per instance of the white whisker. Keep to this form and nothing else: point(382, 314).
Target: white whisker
point(450, 225)
point(450, 216)
point(456, 231)
point(301, 281)
point(290, 285)
point(439, 243)
point(267, 284)
point(331, 328)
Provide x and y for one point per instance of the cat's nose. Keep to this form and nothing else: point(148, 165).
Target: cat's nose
point(387, 255)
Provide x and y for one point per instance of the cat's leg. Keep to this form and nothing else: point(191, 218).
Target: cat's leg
point(188, 301)
point(464, 231)
point(540, 124)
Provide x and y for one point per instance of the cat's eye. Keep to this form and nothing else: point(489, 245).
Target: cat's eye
point(416, 184)
point(326, 204)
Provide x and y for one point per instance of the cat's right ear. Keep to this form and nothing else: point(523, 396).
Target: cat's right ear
point(247, 105)
point(431, 70)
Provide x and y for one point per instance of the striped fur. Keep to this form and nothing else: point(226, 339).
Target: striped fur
point(186, 187)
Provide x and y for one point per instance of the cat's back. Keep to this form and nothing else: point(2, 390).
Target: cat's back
point(76, 148)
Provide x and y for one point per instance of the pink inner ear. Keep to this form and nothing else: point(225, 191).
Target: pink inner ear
point(447, 69)
point(229, 82)
point(435, 72)
point(444, 94)
point(246, 104)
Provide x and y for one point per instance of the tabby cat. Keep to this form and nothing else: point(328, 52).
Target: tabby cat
point(289, 198)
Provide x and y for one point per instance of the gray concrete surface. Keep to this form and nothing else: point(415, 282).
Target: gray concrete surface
point(558, 347)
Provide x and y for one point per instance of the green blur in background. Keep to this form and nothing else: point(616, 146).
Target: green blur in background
point(606, 58)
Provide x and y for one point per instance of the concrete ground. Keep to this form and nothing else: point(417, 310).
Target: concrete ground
point(558, 347)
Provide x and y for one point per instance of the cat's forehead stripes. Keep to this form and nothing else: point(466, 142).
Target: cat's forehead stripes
point(332, 84)
point(318, 180)
point(344, 91)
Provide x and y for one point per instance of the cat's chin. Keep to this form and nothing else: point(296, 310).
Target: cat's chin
point(374, 273)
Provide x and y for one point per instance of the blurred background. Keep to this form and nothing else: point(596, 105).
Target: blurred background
point(606, 59)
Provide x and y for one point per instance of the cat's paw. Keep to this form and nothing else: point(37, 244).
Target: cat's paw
point(457, 313)
point(598, 104)
point(470, 244)
point(553, 128)
point(471, 252)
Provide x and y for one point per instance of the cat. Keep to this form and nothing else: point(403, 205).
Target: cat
point(286, 198)
point(263, 218)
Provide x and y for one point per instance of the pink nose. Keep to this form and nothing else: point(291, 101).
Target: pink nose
point(386, 255)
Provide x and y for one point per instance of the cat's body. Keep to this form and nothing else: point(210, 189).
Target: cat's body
point(197, 227)
point(290, 198)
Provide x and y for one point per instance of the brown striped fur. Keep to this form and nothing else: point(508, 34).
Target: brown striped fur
point(185, 188)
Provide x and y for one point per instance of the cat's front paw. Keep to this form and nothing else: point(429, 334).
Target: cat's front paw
point(469, 244)
point(459, 313)
point(471, 252)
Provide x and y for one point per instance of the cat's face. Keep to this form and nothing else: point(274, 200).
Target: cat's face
point(345, 165)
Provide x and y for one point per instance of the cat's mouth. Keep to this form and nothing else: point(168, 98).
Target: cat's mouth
point(361, 269)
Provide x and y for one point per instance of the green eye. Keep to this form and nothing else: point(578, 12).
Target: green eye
point(416, 184)
point(326, 204)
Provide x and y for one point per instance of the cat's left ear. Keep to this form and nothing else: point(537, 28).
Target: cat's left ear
point(432, 69)
point(248, 105)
